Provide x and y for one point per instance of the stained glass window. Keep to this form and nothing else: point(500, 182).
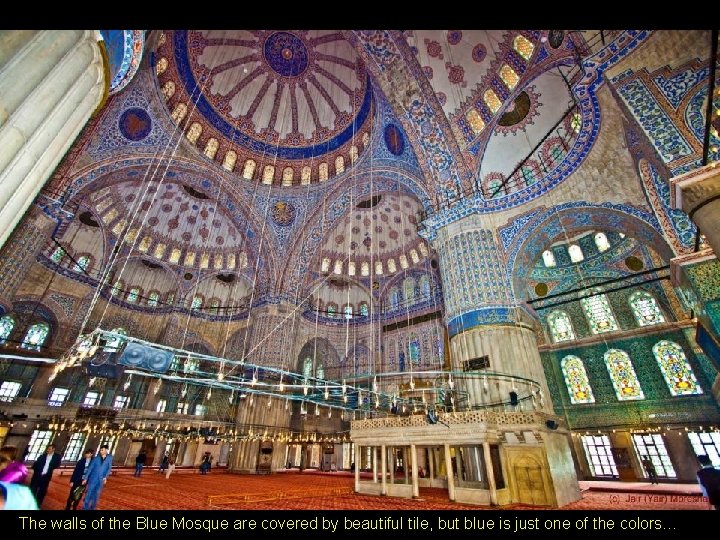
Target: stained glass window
point(492, 101)
point(331, 310)
point(364, 309)
point(549, 259)
point(576, 122)
point(409, 290)
point(394, 298)
point(170, 299)
point(7, 323)
point(35, 336)
point(348, 311)
point(509, 77)
point(475, 120)
point(645, 309)
point(82, 264)
point(117, 288)
point(320, 372)
point(196, 302)
point(191, 365)
point(113, 344)
point(153, 299)
point(601, 242)
point(57, 255)
point(576, 380)
point(678, 374)
point(576, 254)
point(425, 287)
point(133, 295)
point(622, 375)
point(560, 326)
point(365, 268)
point(215, 306)
point(307, 367)
point(600, 317)
point(414, 349)
point(523, 46)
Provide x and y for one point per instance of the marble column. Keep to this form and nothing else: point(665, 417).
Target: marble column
point(697, 193)
point(51, 82)
point(484, 319)
point(358, 458)
point(490, 474)
point(414, 469)
point(450, 475)
point(383, 469)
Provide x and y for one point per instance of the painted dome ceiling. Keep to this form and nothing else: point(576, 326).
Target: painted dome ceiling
point(295, 103)
point(381, 231)
point(180, 225)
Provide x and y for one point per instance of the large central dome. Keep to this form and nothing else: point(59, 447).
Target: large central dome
point(293, 96)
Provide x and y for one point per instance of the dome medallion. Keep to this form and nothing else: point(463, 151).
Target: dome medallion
point(286, 54)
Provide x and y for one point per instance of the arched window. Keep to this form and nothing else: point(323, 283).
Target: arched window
point(492, 101)
point(229, 160)
point(133, 295)
point(394, 298)
point(597, 309)
point(168, 90)
point(153, 299)
point(161, 66)
point(211, 148)
point(576, 254)
point(678, 374)
point(378, 268)
point(194, 132)
point(320, 371)
point(351, 268)
point(348, 311)
point(268, 174)
point(337, 268)
point(170, 298)
point(549, 259)
point(364, 309)
point(414, 256)
point(645, 309)
point(331, 310)
point(197, 302)
point(215, 306)
point(601, 242)
point(365, 268)
point(119, 285)
point(248, 169)
point(35, 336)
point(57, 255)
point(414, 350)
point(287, 176)
point(622, 375)
point(114, 343)
point(323, 172)
point(325, 265)
point(425, 287)
point(179, 112)
point(339, 165)
point(576, 380)
point(82, 264)
point(7, 323)
point(409, 290)
point(560, 326)
point(305, 175)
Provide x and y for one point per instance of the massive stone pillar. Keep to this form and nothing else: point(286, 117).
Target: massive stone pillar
point(697, 193)
point(19, 253)
point(51, 81)
point(484, 320)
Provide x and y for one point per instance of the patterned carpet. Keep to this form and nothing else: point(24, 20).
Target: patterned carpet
point(187, 490)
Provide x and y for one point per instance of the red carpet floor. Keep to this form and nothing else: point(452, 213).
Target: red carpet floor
point(187, 490)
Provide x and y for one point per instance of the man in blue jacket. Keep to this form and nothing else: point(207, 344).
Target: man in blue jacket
point(76, 480)
point(97, 474)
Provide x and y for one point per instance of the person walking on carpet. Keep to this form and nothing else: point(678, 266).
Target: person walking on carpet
point(77, 487)
point(97, 474)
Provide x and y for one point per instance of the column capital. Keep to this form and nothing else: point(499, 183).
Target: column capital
point(696, 188)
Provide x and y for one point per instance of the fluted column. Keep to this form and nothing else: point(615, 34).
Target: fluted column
point(51, 81)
